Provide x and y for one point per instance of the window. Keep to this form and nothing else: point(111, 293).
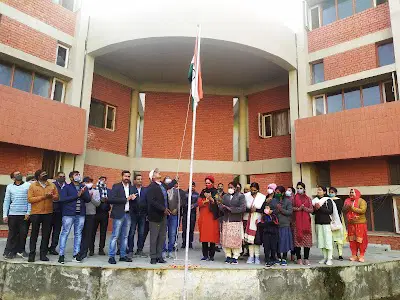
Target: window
point(345, 8)
point(41, 86)
point(318, 72)
point(388, 91)
point(362, 5)
point(51, 162)
point(274, 124)
point(140, 124)
point(68, 4)
point(102, 115)
point(328, 12)
point(380, 213)
point(62, 56)
point(334, 103)
point(22, 80)
point(378, 2)
point(319, 105)
point(5, 74)
point(315, 16)
point(323, 173)
point(394, 170)
point(371, 95)
point(58, 90)
point(352, 98)
point(386, 54)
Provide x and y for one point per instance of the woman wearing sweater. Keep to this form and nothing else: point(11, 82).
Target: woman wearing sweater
point(323, 209)
point(355, 208)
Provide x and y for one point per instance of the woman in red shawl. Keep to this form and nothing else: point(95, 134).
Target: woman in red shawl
point(208, 219)
point(354, 208)
point(301, 223)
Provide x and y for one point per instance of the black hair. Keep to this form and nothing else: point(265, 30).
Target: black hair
point(323, 188)
point(301, 184)
point(333, 189)
point(125, 172)
point(238, 184)
point(293, 190)
point(58, 173)
point(37, 173)
point(255, 185)
point(281, 189)
point(235, 184)
point(136, 175)
point(72, 173)
point(220, 183)
point(12, 174)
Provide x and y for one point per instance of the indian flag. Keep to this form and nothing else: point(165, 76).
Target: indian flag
point(194, 75)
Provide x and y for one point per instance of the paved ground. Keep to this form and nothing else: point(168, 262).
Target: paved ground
point(374, 254)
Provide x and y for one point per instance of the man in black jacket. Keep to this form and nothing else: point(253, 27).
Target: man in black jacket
point(157, 201)
point(122, 197)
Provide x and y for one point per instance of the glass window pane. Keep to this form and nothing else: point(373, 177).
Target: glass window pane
point(280, 123)
point(363, 5)
point(389, 91)
point(318, 72)
point(328, 12)
point(5, 74)
point(97, 114)
point(371, 95)
point(110, 118)
point(315, 18)
point(319, 106)
point(334, 103)
point(22, 80)
point(267, 124)
point(352, 99)
point(41, 86)
point(58, 91)
point(386, 54)
point(68, 4)
point(383, 213)
point(380, 2)
point(345, 8)
point(61, 56)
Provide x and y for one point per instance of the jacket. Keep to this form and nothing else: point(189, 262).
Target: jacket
point(139, 206)
point(16, 200)
point(155, 202)
point(41, 205)
point(94, 202)
point(284, 214)
point(237, 205)
point(118, 200)
point(61, 192)
point(322, 215)
point(69, 198)
point(193, 203)
point(104, 207)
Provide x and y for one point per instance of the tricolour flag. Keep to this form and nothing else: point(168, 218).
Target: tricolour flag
point(194, 75)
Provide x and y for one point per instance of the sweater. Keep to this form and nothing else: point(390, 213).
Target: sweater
point(323, 214)
point(94, 202)
point(40, 204)
point(285, 212)
point(16, 200)
point(237, 205)
point(360, 210)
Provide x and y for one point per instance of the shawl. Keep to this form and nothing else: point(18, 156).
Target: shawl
point(335, 215)
point(213, 207)
point(255, 217)
point(352, 202)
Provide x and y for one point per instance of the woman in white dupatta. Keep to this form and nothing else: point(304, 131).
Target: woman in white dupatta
point(254, 202)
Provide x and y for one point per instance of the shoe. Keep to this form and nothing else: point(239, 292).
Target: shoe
point(161, 261)
point(283, 263)
point(153, 261)
point(101, 252)
point(44, 258)
point(322, 261)
point(91, 253)
point(341, 258)
point(228, 260)
point(53, 251)
point(299, 262)
point(353, 258)
point(329, 262)
point(190, 246)
point(79, 258)
point(204, 258)
point(257, 260)
point(234, 261)
point(126, 259)
point(361, 259)
point(9, 256)
point(269, 264)
point(61, 259)
point(250, 260)
point(75, 258)
point(24, 254)
point(217, 249)
point(307, 262)
point(31, 257)
point(112, 261)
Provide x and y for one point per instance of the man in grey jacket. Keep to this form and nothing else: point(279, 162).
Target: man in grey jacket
point(89, 218)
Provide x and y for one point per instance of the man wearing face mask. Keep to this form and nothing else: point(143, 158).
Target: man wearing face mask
point(16, 210)
point(57, 216)
point(41, 195)
point(73, 211)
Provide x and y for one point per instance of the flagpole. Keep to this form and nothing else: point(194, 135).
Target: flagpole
point(185, 296)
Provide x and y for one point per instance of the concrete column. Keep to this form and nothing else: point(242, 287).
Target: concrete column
point(133, 123)
point(243, 135)
point(394, 6)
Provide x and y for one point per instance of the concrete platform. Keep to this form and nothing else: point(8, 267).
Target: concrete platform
point(95, 279)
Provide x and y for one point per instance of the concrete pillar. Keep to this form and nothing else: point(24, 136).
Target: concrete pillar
point(394, 6)
point(133, 123)
point(243, 135)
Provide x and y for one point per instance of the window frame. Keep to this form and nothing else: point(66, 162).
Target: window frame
point(315, 105)
point(261, 125)
point(53, 88)
point(66, 55)
point(313, 73)
point(318, 6)
point(106, 114)
point(33, 83)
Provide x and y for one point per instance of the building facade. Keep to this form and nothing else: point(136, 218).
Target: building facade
point(101, 94)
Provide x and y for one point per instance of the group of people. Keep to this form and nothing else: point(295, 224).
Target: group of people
point(240, 222)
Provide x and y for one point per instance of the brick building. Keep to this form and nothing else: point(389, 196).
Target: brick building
point(101, 94)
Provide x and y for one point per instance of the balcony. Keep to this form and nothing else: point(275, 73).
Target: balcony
point(355, 133)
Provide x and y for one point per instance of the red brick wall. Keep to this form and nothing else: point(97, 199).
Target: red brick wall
point(45, 119)
point(164, 123)
point(48, 12)
point(264, 102)
point(113, 93)
point(19, 158)
point(113, 175)
point(359, 172)
point(264, 180)
point(350, 62)
point(393, 241)
point(24, 38)
point(366, 22)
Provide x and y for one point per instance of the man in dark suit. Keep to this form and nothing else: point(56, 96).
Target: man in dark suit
point(122, 198)
point(157, 202)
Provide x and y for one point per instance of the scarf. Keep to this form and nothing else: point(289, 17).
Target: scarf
point(255, 217)
point(352, 202)
point(102, 188)
point(335, 215)
point(213, 207)
point(302, 218)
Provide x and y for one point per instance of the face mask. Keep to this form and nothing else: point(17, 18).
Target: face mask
point(89, 185)
point(300, 191)
point(254, 192)
point(332, 195)
point(278, 195)
point(231, 191)
point(18, 177)
point(168, 180)
point(208, 185)
point(45, 177)
point(77, 178)
point(61, 180)
point(102, 182)
point(288, 193)
point(220, 190)
point(270, 191)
